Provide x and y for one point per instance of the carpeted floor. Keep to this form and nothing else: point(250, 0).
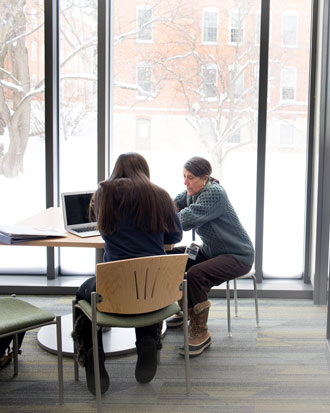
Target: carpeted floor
point(283, 366)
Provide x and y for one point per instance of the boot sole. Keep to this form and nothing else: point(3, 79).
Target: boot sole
point(174, 324)
point(197, 350)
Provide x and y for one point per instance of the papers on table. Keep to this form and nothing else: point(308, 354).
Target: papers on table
point(14, 234)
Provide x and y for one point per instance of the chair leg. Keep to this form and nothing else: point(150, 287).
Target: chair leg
point(228, 308)
point(256, 298)
point(75, 355)
point(59, 359)
point(235, 297)
point(15, 351)
point(96, 355)
point(186, 338)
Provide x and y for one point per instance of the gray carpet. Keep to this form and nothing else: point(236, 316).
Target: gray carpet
point(283, 366)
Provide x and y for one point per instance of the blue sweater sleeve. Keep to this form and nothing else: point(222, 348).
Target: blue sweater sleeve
point(181, 200)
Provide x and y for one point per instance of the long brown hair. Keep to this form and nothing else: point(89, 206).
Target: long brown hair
point(129, 193)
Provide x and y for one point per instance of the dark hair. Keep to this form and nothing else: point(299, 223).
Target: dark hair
point(129, 193)
point(199, 167)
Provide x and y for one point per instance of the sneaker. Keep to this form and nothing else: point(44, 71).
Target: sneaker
point(90, 377)
point(175, 321)
point(146, 365)
point(198, 348)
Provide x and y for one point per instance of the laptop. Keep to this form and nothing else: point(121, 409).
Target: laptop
point(76, 214)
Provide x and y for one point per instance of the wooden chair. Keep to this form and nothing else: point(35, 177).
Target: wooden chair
point(18, 316)
point(250, 274)
point(135, 293)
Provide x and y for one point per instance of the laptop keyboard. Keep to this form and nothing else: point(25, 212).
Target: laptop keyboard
point(85, 229)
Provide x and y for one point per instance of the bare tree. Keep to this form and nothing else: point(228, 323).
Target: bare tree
point(15, 91)
point(217, 82)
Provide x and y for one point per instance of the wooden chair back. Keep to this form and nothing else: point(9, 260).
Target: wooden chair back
point(140, 285)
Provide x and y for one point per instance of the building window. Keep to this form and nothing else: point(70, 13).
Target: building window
point(207, 130)
point(286, 134)
point(209, 82)
point(143, 17)
point(290, 29)
point(143, 74)
point(33, 80)
point(34, 51)
point(235, 27)
point(33, 18)
point(236, 83)
point(235, 138)
point(143, 134)
point(210, 25)
point(288, 84)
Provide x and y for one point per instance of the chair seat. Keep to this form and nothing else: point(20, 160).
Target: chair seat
point(17, 314)
point(129, 321)
point(247, 275)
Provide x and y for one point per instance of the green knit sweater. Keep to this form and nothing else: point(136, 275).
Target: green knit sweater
point(216, 222)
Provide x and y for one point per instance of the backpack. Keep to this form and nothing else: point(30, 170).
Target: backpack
point(7, 353)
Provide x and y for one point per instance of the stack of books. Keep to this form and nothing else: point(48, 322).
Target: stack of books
point(15, 234)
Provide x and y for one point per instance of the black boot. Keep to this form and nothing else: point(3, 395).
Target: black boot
point(82, 336)
point(146, 365)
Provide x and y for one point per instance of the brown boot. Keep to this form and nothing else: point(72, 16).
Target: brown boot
point(199, 336)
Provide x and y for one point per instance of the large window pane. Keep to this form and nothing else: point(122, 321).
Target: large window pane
point(22, 133)
point(191, 90)
point(78, 119)
point(286, 138)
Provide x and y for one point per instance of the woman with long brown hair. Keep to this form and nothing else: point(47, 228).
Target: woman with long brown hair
point(135, 218)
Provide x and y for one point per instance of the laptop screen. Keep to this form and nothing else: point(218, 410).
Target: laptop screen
point(77, 208)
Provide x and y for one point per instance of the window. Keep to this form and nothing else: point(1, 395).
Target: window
point(33, 80)
point(288, 84)
point(290, 29)
point(143, 74)
point(144, 16)
point(143, 127)
point(210, 25)
point(236, 82)
point(22, 137)
point(239, 86)
point(286, 134)
point(209, 80)
point(78, 114)
point(34, 51)
point(235, 137)
point(207, 127)
point(33, 18)
point(235, 27)
point(286, 149)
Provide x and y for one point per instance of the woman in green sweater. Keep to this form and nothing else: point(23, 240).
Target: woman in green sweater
point(226, 251)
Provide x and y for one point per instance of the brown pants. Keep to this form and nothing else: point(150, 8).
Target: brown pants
point(205, 273)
